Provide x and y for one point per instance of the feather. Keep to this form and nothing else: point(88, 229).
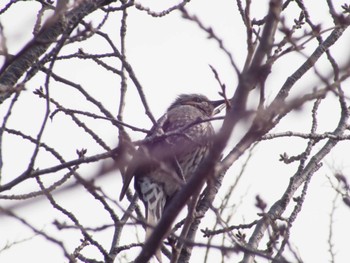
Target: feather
point(154, 199)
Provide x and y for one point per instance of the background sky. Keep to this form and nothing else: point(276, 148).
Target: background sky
point(170, 56)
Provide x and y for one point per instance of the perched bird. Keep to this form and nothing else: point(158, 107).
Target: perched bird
point(173, 150)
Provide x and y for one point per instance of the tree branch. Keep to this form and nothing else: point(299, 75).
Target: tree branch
point(54, 27)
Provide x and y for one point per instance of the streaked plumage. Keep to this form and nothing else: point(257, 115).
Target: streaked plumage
point(162, 166)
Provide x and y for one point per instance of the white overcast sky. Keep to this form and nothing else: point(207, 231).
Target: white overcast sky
point(170, 56)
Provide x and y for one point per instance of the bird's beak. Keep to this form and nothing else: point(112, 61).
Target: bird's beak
point(218, 105)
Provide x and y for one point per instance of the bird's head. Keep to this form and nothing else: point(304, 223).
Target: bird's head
point(199, 101)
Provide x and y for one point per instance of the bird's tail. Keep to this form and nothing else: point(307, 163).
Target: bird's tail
point(154, 198)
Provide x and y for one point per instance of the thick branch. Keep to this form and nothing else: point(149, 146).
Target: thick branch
point(51, 30)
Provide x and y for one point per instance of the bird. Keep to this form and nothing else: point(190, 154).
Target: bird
point(174, 147)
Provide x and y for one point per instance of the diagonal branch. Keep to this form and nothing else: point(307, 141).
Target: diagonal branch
point(50, 32)
point(296, 181)
point(207, 169)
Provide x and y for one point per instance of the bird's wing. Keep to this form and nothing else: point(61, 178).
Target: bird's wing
point(165, 149)
point(126, 182)
point(141, 159)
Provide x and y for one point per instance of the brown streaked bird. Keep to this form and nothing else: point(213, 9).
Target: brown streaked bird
point(162, 165)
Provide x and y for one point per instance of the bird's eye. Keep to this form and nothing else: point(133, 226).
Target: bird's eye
point(197, 99)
